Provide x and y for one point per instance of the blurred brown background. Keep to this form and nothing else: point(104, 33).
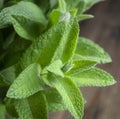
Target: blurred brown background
point(104, 29)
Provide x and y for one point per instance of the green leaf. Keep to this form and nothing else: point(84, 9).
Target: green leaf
point(54, 99)
point(15, 50)
point(67, 45)
point(3, 91)
point(2, 111)
point(54, 17)
point(7, 76)
point(26, 13)
point(23, 8)
point(80, 6)
point(53, 3)
point(44, 5)
point(10, 107)
point(27, 83)
point(34, 107)
point(59, 42)
point(92, 77)
point(26, 28)
point(82, 17)
point(80, 66)
point(88, 50)
point(55, 68)
point(9, 40)
point(1, 3)
point(62, 5)
point(76, 4)
point(70, 94)
point(67, 67)
point(47, 43)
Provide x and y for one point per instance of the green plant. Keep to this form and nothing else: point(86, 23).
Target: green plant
point(43, 61)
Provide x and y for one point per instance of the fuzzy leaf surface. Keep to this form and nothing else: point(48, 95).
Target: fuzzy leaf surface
point(62, 5)
point(70, 94)
point(7, 76)
point(10, 107)
point(33, 107)
point(54, 99)
point(81, 65)
point(27, 83)
point(92, 77)
point(88, 50)
point(55, 68)
point(57, 43)
point(82, 17)
point(2, 111)
point(26, 28)
point(26, 18)
point(23, 8)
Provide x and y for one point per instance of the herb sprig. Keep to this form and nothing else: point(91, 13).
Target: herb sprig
point(44, 61)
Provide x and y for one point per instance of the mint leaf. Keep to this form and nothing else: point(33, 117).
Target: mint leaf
point(55, 68)
point(14, 51)
point(92, 77)
point(27, 83)
point(28, 13)
point(57, 16)
point(26, 28)
point(7, 76)
point(80, 66)
point(66, 48)
point(54, 17)
point(1, 3)
point(58, 42)
point(70, 94)
point(10, 107)
point(26, 9)
point(53, 3)
point(2, 111)
point(54, 99)
point(62, 5)
point(9, 40)
point(82, 17)
point(42, 60)
point(88, 50)
point(46, 43)
point(33, 107)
